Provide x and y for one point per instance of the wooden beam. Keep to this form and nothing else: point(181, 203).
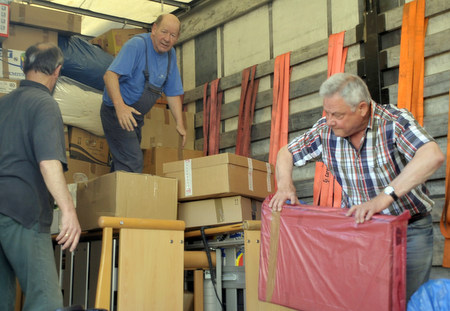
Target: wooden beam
point(435, 44)
point(394, 17)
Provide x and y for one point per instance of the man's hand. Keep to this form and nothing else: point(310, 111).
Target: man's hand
point(281, 196)
point(69, 235)
point(182, 131)
point(125, 117)
point(364, 212)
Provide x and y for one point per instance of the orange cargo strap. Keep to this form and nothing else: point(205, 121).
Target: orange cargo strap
point(280, 106)
point(249, 89)
point(211, 118)
point(445, 217)
point(411, 68)
point(327, 191)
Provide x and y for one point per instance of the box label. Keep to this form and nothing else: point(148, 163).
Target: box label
point(188, 177)
point(7, 86)
point(4, 20)
point(250, 174)
point(11, 64)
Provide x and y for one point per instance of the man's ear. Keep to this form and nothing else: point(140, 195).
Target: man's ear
point(57, 71)
point(363, 108)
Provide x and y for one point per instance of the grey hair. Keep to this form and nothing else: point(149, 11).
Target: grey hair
point(43, 57)
point(350, 87)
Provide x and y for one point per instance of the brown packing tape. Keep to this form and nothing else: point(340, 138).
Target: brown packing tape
point(46, 36)
point(152, 153)
point(180, 139)
point(22, 12)
point(71, 22)
point(5, 64)
point(180, 148)
point(254, 209)
point(166, 116)
point(219, 210)
point(273, 252)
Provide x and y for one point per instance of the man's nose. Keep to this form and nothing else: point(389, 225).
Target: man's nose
point(330, 121)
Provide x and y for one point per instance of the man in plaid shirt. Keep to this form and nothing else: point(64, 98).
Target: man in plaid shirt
point(381, 157)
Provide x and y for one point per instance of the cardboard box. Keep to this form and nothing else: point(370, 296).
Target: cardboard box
point(44, 18)
point(155, 157)
point(88, 147)
point(219, 211)
point(113, 40)
point(124, 194)
point(159, 129)
point(66, 137)
point(56, 222)
point(22, 37)
point(82, 170)
point(221, 175)
point(7, 85)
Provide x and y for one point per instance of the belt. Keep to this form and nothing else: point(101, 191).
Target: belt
point(418, 217)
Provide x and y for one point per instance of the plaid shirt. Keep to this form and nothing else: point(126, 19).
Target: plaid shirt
point(391, 140)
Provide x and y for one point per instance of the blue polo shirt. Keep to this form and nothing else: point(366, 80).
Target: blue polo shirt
point(130, 65)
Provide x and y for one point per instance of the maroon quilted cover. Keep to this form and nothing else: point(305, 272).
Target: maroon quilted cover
point(315, 258)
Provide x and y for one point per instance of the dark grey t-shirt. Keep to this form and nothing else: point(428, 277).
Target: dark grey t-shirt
point(31, 130)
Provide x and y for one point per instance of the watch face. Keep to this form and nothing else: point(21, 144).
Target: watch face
point(389, 190)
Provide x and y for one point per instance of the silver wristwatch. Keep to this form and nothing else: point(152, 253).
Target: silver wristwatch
point(389, 190)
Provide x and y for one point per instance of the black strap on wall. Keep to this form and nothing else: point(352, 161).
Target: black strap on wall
point(369, 69)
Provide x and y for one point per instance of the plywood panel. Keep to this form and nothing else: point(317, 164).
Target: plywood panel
point(151, 266)
point(346, 14)
point(206, 57)
point(188, 76)
point(246, 41)
point(297, 24)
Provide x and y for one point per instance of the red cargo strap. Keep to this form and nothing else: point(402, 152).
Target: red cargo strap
point(411, 68)
point(445, 217)
point(211, 118)
point(280, 106)
point(249, 89)
point(327, 191)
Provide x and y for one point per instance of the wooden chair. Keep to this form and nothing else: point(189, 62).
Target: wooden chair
point(150, 264)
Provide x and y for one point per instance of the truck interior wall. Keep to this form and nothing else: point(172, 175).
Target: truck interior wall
point(271, 28)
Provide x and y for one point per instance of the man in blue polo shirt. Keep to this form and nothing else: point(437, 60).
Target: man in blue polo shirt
point(145, 67)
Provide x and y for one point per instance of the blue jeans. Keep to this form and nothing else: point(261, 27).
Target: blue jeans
point(419, 254)
point(27, 255)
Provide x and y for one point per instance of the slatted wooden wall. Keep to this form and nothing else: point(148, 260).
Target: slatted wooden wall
point(236, 34)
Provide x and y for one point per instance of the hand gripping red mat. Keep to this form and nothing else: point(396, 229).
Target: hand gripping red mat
point(316, 258)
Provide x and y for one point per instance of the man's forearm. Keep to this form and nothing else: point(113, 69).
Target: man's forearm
point(111, 80)
point(426, 161)
point(284, 167)
point(175, 107)
point(52, 173)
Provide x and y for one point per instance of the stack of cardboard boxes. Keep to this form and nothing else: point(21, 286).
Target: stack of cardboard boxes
point(146, 195)
point(220, 189)
point(21, 26)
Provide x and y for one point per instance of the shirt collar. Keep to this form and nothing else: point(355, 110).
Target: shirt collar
point(372, 114)
point(34, 84)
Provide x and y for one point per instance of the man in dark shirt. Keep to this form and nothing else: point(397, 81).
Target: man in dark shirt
point(32, 159)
